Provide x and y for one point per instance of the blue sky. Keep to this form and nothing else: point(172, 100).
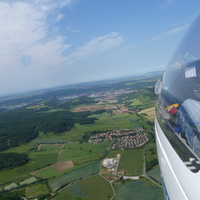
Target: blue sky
point(47, 43)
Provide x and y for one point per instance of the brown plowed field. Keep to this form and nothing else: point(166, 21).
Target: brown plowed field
point(60, 166)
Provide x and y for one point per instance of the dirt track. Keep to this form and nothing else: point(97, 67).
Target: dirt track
point(60, 166)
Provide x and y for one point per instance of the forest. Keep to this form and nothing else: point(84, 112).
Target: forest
point(22, 125)
point(12, 160)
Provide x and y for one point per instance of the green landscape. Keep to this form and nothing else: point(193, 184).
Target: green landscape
point(55, 146)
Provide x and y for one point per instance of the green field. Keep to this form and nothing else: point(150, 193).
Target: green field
point(36, 190)
point(135, 102)
point(131, 162)
point(96, 187)
point(139, 190)
point(49, 147)
point(76, 191)
point(113, 153)
point(49, 141)
point(64, 195)
point(75, 175)
point(76, 151)
point(100, 115)
point(120, 121)
point(23, 148)
point(151, 152)
point(40, 159)
point(155, 173)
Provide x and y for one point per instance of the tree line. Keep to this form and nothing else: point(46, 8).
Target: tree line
point(22, 125)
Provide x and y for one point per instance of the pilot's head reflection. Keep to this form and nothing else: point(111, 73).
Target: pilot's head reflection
point(188, 123)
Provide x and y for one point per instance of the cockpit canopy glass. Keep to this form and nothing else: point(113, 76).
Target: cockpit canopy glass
point(178, 99)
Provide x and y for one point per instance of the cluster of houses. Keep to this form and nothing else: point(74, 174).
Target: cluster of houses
point(111, 134)
point(129, 141)
point(123, 110)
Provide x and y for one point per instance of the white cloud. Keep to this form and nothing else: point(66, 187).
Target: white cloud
point(31, 47)
point(29, 41)
point(96, 46)
point(69, 28)
point(171, 32)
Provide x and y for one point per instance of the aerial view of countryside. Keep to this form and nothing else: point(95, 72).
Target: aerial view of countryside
point(89, 141)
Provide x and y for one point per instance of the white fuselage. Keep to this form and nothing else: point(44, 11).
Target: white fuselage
point(179, 183)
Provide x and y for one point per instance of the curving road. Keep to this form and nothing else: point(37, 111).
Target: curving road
point(144, 168)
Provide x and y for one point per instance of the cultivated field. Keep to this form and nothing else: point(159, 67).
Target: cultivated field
point(40, 159)
point(77, 174)
point(28, 181)
point(139, 190)
point(76, 151)
point(76, 191)
point(63, 195)
point(92, 107)
point(149, 112)
point(36, 190)
point(96, 187)
point(155, 173)
point(10, 186)
point(131, 162)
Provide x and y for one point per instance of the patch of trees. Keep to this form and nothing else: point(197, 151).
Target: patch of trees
point(22, 125)
point(12, 160)
point(151, 164)
point(99, 111)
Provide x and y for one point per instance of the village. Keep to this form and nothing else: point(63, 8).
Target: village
point(124, 138)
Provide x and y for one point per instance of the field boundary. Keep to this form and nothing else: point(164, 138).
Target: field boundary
point(60, 166)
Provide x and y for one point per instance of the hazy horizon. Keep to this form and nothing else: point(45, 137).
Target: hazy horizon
point(49, 43)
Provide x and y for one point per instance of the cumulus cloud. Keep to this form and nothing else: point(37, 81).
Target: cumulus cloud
point(171, 32)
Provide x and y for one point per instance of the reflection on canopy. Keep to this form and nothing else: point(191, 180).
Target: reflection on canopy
point(178, 101)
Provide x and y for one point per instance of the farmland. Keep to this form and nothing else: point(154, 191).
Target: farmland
point(75, 175)
point(57, 142)
point(131, 162)
point(136, 189)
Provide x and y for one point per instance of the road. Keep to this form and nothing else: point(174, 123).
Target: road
point(144, 168)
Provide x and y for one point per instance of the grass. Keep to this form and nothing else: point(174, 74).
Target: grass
point(50, 147)
point(51, 172)
point(151, 152)
point(139, 190)
point(36, 190)
point(76, 151)
point(96, 187)
point(63, 195)
point(113, 153)
point(24, 148)
point(49, 141)
point(135, 102)
point(39, 160)
point(75, 175)
point(76, 191)
point(131, 161)
point(155, 173)
point(120, 121)
point(100, 115)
